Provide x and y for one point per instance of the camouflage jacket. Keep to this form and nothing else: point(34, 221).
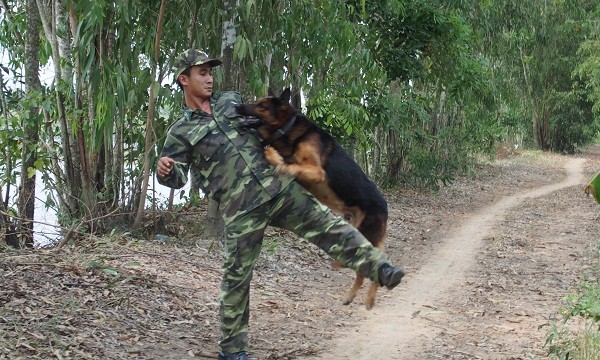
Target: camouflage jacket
point(227, 159)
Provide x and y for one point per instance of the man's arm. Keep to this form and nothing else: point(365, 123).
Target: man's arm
point(173, 165)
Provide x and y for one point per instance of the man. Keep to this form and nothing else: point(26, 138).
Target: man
point(231, 167)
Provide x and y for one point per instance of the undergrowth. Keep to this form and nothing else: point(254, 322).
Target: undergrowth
point(577, 336)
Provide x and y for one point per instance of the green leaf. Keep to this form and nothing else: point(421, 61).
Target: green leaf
point(593, 188)
point(39, 164)
point(250, 5)
point(111, 272)
point(133, 265)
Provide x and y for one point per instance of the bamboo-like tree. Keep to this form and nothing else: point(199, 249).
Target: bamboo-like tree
point(411, 88)
point(150, 136)
point(31, 128)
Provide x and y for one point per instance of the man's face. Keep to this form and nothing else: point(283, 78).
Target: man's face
point(200, 81)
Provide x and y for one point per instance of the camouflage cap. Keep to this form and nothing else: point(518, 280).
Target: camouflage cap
point(192, 57)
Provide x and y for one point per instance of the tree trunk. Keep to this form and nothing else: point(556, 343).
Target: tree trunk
point(394, 161)
point(149, 139)
point(214, 222)
point(26, 200)
point(10, 238)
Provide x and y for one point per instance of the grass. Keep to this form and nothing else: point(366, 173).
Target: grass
point(580, 342)
point(578, 335)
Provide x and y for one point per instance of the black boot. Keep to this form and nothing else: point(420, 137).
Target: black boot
point(390, 276)
point(233, 356)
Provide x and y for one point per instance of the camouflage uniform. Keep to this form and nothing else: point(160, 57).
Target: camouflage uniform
point(231, 167)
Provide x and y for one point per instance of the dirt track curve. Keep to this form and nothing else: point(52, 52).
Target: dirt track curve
point(393, 330)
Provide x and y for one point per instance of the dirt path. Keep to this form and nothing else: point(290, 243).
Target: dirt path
point(395, 330)
point(490, 260)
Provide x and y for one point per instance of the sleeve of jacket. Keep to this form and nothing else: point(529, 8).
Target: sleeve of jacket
point(179, 149)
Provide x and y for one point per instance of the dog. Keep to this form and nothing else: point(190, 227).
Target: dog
point(296, 146)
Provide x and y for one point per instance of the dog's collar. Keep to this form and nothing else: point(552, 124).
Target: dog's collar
point(279, 132)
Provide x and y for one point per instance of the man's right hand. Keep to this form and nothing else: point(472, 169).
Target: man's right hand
point(164, 166)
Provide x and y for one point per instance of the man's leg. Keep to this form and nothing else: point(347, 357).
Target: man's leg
point(243, 242)
point(300, 212)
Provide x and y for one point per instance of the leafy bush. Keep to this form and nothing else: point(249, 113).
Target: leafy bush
point(574, 338)
point(572, 123)
point(585, 304)
point(564, 344)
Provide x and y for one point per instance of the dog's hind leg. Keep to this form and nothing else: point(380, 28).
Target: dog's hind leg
point(374, 230)
point(371, 294)
point(351, 294)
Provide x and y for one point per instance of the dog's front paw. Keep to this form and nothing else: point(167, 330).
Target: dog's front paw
point(284, 169)
point(273, 157)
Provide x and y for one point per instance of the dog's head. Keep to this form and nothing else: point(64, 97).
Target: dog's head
point(267, 114)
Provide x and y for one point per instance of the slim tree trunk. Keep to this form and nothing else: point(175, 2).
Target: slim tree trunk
point(26, 200)
point(5, 221)
point(50, 17)
point(214, 222)
point(149, 139)
point(10, 238)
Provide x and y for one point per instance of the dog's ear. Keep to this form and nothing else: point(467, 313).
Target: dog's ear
point(285, 96)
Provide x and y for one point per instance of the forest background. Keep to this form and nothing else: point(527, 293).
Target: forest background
point(416, 90)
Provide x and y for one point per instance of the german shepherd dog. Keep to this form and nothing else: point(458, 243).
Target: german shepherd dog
point(299, 148)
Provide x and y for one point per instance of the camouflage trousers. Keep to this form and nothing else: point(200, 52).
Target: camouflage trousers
point(298, 211)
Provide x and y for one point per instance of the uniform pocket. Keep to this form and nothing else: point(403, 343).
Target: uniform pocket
point(208, 141)
point(234, 120)
point(231, 113)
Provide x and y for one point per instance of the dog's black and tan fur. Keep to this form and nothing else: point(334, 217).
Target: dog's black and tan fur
point(298, 147)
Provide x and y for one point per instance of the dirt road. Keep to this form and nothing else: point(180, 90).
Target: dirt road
point(489, 261)
point(402, 332)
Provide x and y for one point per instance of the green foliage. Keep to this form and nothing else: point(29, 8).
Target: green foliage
point(562, 343)
point(586, 302)
point(415, 88)
point(271, 244)
point(343, 116)
point(400, 33)
point(533, 45)
point(572, 121)
point(12, 29)
point(10, 137)
point(589, 70)
point(593, 188)
point(576, 339)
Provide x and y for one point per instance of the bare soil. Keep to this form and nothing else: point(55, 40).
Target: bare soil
point(489, 262)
